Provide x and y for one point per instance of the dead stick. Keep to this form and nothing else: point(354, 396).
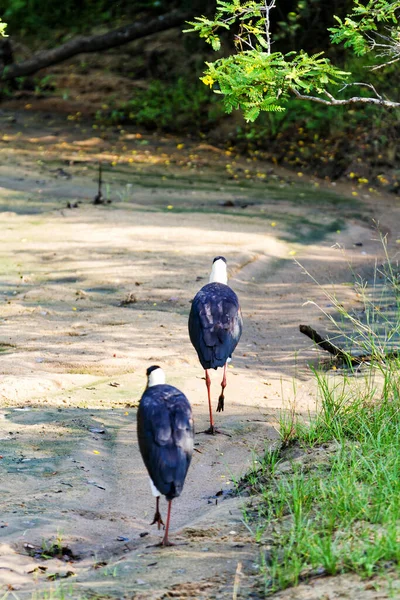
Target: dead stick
point(98, 199)
point(100, 182)
point(322, 343)
point(342, 354)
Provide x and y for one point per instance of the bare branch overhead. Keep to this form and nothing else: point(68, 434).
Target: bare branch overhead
point(354, 100)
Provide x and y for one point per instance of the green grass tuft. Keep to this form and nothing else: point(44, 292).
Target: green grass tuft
point(333, 505)
point(328, 500)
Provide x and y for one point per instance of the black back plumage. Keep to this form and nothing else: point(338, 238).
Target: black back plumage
point(165, 433)
point(215, 324)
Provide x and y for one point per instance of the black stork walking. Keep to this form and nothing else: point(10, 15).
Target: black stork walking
point(215, 327)
point(165, 433)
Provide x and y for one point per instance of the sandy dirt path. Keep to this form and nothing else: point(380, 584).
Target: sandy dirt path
point(89, 298)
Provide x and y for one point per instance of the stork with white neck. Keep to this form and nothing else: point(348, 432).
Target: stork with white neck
point(215, 327)
point(165, 434)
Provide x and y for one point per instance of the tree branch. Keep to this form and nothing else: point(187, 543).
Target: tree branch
point(354, 100)
point(95, 43)
point(268, 7)
point(385, 64)
point(368, 85)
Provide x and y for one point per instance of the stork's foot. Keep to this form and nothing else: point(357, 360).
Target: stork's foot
point(157, 519)
point(165, 543)
point(220, 406)
point(212, 430)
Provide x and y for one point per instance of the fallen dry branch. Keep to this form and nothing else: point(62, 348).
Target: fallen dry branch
point(94, 43)
point(343, 355)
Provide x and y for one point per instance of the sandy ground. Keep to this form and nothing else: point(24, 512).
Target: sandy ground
point(74, 351)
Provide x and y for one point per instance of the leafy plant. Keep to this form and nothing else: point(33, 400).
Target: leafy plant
point(168, 106)
point(360, 29)
point(256, 79)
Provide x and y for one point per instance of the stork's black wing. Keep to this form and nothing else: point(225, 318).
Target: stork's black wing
point(215, 324)
point(165, 434)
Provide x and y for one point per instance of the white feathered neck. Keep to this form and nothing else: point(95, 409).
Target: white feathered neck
point(156, 377)
point(219, 272)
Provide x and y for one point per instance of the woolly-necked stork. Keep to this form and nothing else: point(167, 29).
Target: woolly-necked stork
point(165, 433)
point(215, 327)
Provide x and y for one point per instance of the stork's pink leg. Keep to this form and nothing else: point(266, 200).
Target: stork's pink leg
point(208, 384)
point(166, 541)
point(157, 515)
point(212, 430)
point(221, 398)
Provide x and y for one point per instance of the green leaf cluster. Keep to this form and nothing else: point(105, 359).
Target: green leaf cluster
point(249, 16)
point(256, 81)
point(365, 19)
point(3, 28)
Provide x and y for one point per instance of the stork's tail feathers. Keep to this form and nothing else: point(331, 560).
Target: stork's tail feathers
point(220, 406)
